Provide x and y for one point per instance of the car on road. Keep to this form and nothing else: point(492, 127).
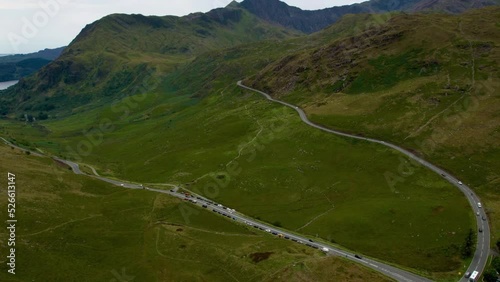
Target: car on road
point(460, 183)
point(205, 206)
point(358, 256)
point(467, 274)
point(484, 218)
point(479, 205)
point(268, 230)
point(324, 249)
point(122, 185)
point(477, 213)
point(311, 241)
point(480, 229)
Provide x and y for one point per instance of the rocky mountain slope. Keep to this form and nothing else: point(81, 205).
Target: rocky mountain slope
point(278, 12)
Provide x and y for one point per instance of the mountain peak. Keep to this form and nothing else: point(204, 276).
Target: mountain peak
point(278, 12)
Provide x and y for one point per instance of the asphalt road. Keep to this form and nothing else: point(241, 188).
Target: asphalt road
point(393, 272)
point(483, 238)
point(390, 271)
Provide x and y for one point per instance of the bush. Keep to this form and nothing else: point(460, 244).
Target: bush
point(496, 264)
point(277, 224)
point(490, 275)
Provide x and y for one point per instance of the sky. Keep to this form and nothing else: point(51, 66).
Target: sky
point(31, 25)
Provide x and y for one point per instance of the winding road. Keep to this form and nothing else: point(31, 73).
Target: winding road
point(478, 263)
point(480, 258)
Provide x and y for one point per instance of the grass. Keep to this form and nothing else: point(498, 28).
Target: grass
point(260, 159)
point(93, 232)
point(202, 132)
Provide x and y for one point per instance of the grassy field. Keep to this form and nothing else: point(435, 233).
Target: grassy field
point(447, 113)
point(72, 228)
point(260, 159)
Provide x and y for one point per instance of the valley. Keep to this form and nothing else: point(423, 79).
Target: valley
point(410, 97)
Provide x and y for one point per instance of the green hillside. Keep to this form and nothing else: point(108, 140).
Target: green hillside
point(15, 71)
point(118, 52)
point(152, 112)
point(435, 93)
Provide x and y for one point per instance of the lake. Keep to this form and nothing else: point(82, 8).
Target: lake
point(6, 84)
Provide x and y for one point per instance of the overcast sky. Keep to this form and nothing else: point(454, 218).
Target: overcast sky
point(31, 25)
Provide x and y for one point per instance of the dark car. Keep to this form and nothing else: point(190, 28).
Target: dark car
point(480, 229)
point(205, 206)
point(311, 241)
point(358, 256)
point(484, 217)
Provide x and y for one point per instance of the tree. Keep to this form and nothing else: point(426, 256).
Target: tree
point(468, 247)
point(42, 116)
point(496, 264)
point(490, 275)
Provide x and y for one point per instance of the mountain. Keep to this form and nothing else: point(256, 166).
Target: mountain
point(111, 55)
point(46, 54)
point(115, 53)
point(280, 13)
point(379, 57)
point(15, 67)
point(17, 70)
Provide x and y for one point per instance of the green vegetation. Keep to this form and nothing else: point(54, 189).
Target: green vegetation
point(73, 228)
point(306, 180)
point(14, 71)
point(447, 111)
point(193, 127)
point(112, 56)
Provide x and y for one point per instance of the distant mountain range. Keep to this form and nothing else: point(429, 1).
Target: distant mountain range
point(14, 67)
point(110, 55)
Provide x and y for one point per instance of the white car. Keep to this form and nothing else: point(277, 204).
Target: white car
point(326, 250)
point(268, 230)
point(460, 183)
point(479, 205)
